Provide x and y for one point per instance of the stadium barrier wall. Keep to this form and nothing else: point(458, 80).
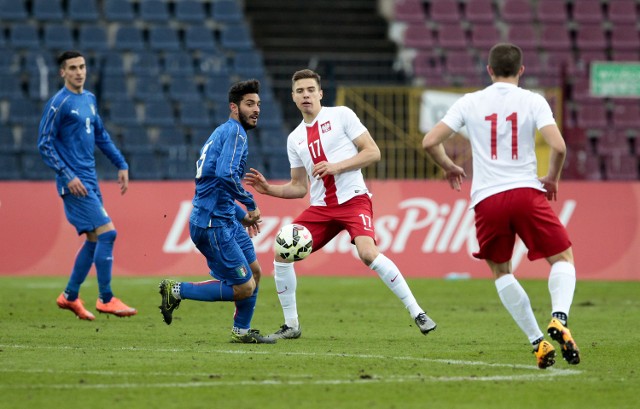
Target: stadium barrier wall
point(424, 226)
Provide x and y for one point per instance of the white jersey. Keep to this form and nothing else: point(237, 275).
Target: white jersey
point(501, 122)
point(329, 138)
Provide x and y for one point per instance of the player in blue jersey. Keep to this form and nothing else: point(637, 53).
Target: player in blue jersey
point(217, 223)
point(69, 131)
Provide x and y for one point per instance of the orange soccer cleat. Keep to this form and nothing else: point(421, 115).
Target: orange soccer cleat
point(115, 307)
point(545, 355)
point(77, 306)
point(562, 335)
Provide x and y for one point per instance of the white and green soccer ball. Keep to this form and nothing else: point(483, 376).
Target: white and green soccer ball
point(293, 242)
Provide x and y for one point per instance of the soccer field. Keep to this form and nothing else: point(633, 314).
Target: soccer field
point(359, 349)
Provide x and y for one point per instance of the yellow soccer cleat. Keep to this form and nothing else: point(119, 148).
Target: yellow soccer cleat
point(545, 354)
point(562, 335)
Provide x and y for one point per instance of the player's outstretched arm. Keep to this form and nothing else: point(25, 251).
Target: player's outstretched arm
point(432, 144)
point(296, 188)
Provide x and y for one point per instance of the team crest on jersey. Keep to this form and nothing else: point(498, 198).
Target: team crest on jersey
point(241, 271)
point(326, 127)
point(93, 109)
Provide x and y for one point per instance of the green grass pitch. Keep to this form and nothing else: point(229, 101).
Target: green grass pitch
point(359, 349)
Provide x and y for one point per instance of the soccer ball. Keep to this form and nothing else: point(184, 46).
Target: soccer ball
point(293, 242)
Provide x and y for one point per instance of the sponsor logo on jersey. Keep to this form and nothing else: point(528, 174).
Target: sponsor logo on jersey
point(75, 111)
point(326, 127)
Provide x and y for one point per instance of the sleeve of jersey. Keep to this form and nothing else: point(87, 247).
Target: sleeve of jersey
point(229, 170)
point(47, 132)
point(544, 115)
point(353, 126)
point(106, 145)
point(453, 118)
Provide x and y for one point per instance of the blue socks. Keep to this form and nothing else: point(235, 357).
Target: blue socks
point(103, 259)
point(81, 268)
point(244, 311)
point(211, 290)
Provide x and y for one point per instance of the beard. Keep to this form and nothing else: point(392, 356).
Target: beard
point(244, 121)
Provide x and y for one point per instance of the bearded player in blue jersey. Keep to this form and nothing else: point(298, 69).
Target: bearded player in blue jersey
point(217, 223)
point(69, 131)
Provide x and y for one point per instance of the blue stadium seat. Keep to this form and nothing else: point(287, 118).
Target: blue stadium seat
point(34, 168)
point(114, 88)
point(129, 38)
point(163, 38)
point(48, 10)
point(42, 87)
point(112, 64)
point(119, 11)
point(249, 64)
point(169, 136)
point(36, 60)
point(184, 89)
point(8, 141)
point(83, 10)
point(148, 88)
point(58, 37)
point(105, 169)
point(25, 36)
point(199, 38)
point(277, 165)
point(155, 11)
point(145, 165)
point(93, 37)
point(10, 87)
point(13, 10)
point(159, 113)
point(180, 163)
point(123, 113)
point(236, 38)
point(135, 138)
point(145, 63)
point(217, 87)
point(190, 11)
point(227, 11)
point(270, 116)
point(178, 63)
point(10, 166)
point(10, 61)
point(23, 112)
point(194, 114)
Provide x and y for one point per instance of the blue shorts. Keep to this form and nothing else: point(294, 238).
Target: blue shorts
point(85, 213)
point(228, 250)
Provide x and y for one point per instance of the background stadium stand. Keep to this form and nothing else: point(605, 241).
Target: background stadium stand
point(161, 68)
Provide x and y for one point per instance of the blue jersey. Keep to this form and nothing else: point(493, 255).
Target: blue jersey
point(219, 173)
point(69, 131)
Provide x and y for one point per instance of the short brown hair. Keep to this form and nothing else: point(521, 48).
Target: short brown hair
point(303, 74)
point(505, 59)
point(242, 88)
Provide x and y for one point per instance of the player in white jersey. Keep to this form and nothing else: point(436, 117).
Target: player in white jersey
point(329, 148)
point(508, 197)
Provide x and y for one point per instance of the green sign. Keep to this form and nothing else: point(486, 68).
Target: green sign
point(615, 79)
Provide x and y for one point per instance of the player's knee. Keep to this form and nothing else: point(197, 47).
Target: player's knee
point(245, 290)
point(108, 236)
point(368, 254)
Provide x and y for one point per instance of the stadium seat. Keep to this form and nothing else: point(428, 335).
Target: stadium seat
point(34, 168)
point(163, 38)
point(199, 38)
point(526, 37)
point(184, 89)
point(484, 36)
point(227, 12)
point(169, 136)
point(23, 112)
point(180, 163)
point(24, 36)
point(145, 63)
point(480, 12)
point(105, 169)
point(159, 113)
point(123, 113)
point(83, 10)
point(452, 37)
point(249, 64)
point(625, 116)
point(190, 11)
point(516, 12)
point(118, 11)
point(13, 10)
point(613, 142)
point(148, 88)
point(58, 37)
point(592, 117)
point(10, 87)
point(460, 63)
point(8, 142)
point(277, 165)
point(112, 64)
point(93, 37)
point(622, 12)
point(10, 166)
point(145, 164)
point(135, 138)
point(588, 11)
point(236, 38)
point(270, 116)
point(178, 63)
point(43, 87)
point(426, 65)
point(10, 63)
point(555, 37)
point(154, 11)
point(409, 11)
point(194, 114)
point(129, 38)
point(621, 167)
point(114, 87)
point(624, 37)
point(48, 10)
point(552, 11)
point(445, 11)
point(35, 61)
point(625, 55)
point(217, 87)
point(590, 37)
point(418, 36)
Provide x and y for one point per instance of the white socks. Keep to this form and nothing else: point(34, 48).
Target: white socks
point(516, 301)
point(562, 284)
point(175, 291)
point(392, 277)
point(286, 283)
